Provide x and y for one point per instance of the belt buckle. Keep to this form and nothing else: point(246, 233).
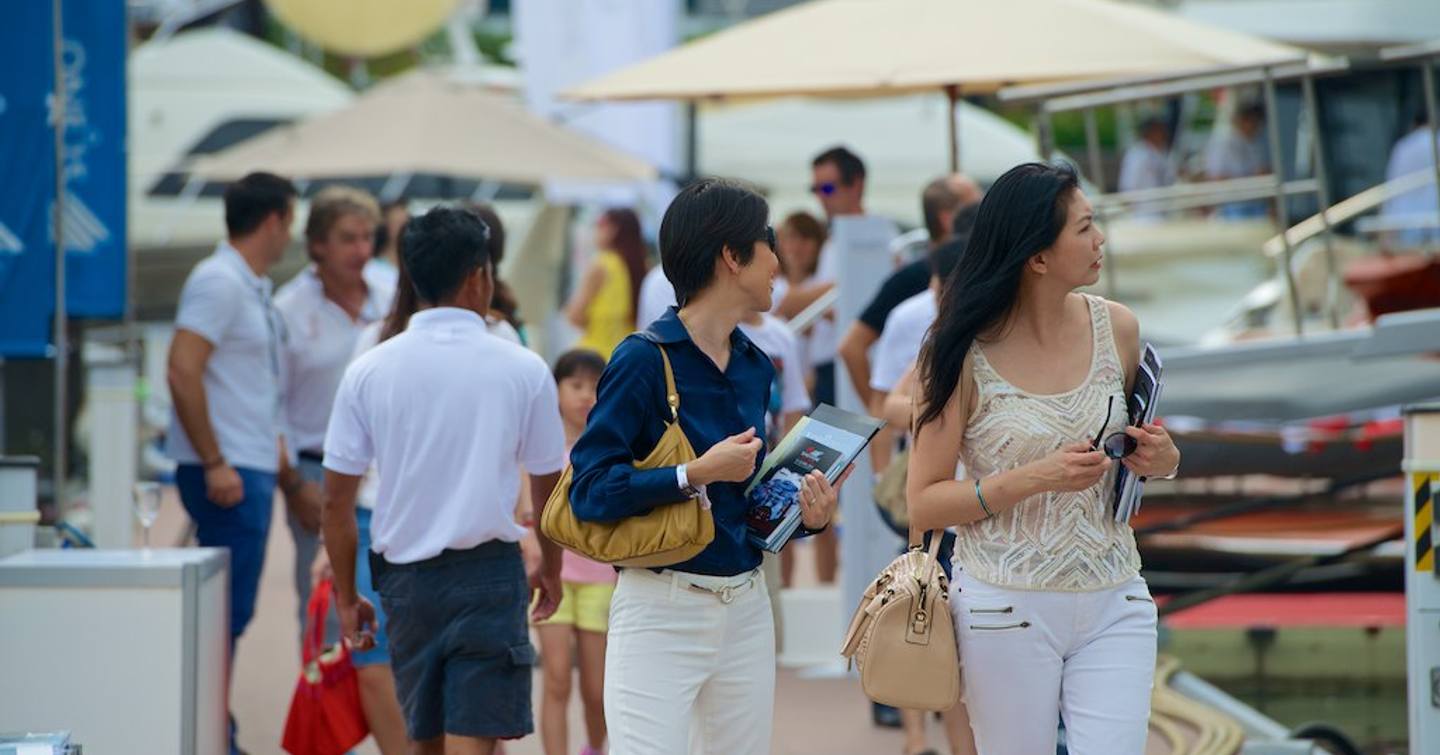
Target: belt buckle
point(727, 594)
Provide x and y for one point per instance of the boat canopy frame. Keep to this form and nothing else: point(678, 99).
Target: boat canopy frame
point(1088, 96)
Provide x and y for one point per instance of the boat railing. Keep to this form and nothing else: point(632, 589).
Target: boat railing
point(1351, 208)
point(1086, 97)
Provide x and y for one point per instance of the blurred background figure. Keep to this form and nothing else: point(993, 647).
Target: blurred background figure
point(1414, 210)
point(1147, 165)
point(504, 314)
point(603, 306)
point(393, 216)
point(325, 307)
point(1239, 153)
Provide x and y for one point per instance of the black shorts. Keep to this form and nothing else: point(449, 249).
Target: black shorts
point(459, 643)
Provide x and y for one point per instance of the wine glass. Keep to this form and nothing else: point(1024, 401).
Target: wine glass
point(147, 506)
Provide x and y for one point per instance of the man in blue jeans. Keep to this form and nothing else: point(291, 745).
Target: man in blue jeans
point(224, 376)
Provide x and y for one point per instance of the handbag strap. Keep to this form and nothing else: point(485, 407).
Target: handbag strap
point(317, 611)
point(672, 396)
point(932, 554)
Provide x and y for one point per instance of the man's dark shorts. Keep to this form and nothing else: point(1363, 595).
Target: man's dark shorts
point(459, 645)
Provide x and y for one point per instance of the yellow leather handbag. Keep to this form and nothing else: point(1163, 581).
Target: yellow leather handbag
point(669, 534)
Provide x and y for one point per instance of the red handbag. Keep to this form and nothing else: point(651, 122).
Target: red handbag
point(325, 714)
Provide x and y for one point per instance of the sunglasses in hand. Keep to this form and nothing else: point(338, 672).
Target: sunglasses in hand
point(1115, 445)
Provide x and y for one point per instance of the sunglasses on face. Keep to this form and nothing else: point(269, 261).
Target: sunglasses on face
point(826, 188)
point(770, 237)
point(1116, 445)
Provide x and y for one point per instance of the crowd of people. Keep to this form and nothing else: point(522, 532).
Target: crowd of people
point(388, 394)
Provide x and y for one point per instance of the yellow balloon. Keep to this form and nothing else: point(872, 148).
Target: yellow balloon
point(363, 28)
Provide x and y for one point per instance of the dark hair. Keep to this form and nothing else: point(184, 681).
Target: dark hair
point(809, 227)
point(964, 222)
point(503, 299)
point(937, 198)
point(1021, 215)
point(706, 217)
point(406, 303)
point(1252, 110)
point(849, 164)
point(382, 229)
point(252, 199)
point(945, 257)
point(442, 248)
point(579, 362)
point(630, 245)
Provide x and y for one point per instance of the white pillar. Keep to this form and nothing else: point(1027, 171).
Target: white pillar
point(18, 513)
point(866, 544)
point(110, 398)
point(1422, 587)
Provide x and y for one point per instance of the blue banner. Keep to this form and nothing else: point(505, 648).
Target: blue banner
point(93, 213)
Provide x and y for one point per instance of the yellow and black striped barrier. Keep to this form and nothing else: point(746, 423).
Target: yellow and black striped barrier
point(1426, 486)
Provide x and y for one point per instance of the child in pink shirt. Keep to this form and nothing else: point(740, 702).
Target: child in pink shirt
point(584, 613)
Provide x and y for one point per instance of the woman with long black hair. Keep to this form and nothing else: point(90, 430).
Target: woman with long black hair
point(1025, 381)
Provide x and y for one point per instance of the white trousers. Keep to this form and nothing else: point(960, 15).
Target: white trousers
point(686, 671)
point(1031, 657)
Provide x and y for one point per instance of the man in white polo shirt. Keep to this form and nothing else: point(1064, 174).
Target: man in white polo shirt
point(449, 414)
point(225, 386)
point(325, 307)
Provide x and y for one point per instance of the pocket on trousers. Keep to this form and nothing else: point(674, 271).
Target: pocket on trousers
point(522, 656)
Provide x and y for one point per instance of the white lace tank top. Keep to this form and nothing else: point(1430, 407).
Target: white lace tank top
point(1066, 541)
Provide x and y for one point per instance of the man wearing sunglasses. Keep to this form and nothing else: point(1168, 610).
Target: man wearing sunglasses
point(838, 182)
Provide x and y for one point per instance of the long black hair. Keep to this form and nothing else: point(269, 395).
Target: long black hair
point(1021, 215)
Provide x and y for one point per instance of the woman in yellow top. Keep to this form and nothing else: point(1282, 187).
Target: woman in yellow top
point(603, 307)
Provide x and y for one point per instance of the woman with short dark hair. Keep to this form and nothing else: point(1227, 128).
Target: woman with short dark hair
point(695, 641)
point(1024, 380)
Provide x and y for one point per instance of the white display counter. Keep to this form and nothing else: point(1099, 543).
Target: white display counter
point(126, 649)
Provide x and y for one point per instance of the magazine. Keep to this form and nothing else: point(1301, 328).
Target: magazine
point(828, 439)
point(1144, 398)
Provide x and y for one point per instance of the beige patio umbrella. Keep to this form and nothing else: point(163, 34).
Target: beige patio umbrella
point(850, 48)
point(427, 123)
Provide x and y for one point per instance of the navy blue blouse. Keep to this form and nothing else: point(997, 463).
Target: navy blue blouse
point(630, 415)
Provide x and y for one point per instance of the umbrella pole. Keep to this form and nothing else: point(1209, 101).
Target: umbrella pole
point(952, 93)
point(62, 325)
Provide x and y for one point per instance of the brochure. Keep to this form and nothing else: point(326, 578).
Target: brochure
point(1144, 398)
point(828, 439)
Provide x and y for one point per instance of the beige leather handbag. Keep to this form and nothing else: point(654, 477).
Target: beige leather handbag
point(903, 635)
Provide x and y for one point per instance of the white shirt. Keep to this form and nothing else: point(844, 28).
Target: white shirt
point(228, 305)
point(1145, 166)
point(656, 296)
point(900, 341)
point(449, 414)
point(1234, 156)
point(774, 338)
point(368, 338)
point(1412, 153)
point(320, 341)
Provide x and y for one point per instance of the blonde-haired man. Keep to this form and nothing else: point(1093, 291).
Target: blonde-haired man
point(325, 307)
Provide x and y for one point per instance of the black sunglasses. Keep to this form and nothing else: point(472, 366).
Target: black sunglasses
point(827, 188)
point(1115, 445)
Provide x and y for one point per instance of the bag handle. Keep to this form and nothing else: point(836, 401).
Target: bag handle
point(932, 554)
point(315, 614)
point(672, 396)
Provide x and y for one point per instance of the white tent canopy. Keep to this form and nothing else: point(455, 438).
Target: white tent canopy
point(880, 47)
point(428, 123)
